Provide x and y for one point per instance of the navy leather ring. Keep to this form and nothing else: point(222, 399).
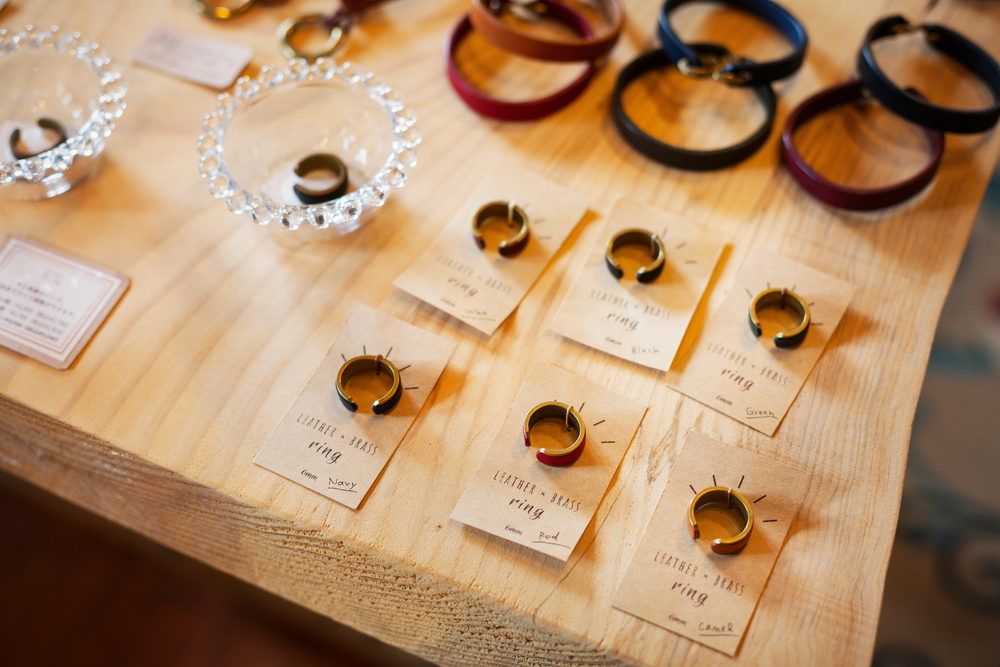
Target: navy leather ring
point(683, 158)
point(739, 71)
point(915, 108)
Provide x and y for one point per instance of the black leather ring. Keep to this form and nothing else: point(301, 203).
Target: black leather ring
point(683, 158)
point(736, 71)
point(915, 108)
point(315, 162)
point(639, 237)
point(45, 124)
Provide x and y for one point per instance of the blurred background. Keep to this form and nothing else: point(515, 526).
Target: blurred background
point(78, 591)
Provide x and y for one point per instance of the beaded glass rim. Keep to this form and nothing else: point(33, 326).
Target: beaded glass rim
point(341, 212)
point(90, 138)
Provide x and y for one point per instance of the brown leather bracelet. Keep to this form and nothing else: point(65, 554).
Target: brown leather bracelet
point(487, 23)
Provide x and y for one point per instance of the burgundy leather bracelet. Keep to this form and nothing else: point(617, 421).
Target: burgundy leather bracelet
point(842, 196)
point(533, 109)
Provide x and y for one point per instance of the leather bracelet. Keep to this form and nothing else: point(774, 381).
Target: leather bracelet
point(683, 158)
point(501, 109)
point(916, 109)
point(842, 196)
point(486, 20)
point(738, 71)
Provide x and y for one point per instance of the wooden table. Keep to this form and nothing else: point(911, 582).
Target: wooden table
point(157, 423)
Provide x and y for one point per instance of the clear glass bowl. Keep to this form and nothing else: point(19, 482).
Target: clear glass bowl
point(57, 75)
point(256, 135)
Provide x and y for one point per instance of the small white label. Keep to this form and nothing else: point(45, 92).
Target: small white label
point(51, 303)
point(209, 62)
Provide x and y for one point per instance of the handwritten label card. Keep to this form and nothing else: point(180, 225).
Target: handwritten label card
point(640, 322)
point(480, 287)
point(677, 582)
point(51, 303)
point(547, 508)
point(203, 60)
point(747, 378)
point(337, 453)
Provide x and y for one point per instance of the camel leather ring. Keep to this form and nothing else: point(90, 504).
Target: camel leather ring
point(781, 297)
point(316, 162)
point(915, 108)
point(640, 237)
point(223, 11)
point(515, 216)
point(683, 158)
point(842, 196)
point(362, 364)
point(722, 494)
point(737, 71)
point(45, 124)
point(561, 411)
point(533, 109)
point(485, 18)
point(289, 27)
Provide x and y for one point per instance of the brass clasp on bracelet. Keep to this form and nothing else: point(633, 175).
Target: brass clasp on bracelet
point(733, 500)
point(572, 420)
point(715, 67)
point(290, 27)
point(515, 217)
point(363, 364)
point(223, 10)
point(781, 297)
point(641, 237)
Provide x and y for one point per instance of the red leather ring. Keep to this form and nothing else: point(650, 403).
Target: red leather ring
point(842, 196)
point(533, 109)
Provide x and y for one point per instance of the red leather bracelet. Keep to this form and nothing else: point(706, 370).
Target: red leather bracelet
point(533, 109)
point(842, 196)
point(486, 20)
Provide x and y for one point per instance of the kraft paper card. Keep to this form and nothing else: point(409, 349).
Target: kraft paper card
point(337, 453)
point(52, 303)
point(545, 508)
point(748, 378)
point(481, 287)
point(640, 322)
point(203, 60)
point(677, 582)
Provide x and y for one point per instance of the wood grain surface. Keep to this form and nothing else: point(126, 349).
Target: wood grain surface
point(156, 424)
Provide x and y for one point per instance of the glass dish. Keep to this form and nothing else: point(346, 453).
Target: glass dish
point(256, 135)
point(54, 75)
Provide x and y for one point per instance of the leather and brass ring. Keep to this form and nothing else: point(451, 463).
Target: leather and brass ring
point(572, 419)
point(363, 364)
point(223, 10)
point(640, 237)
point(781, 297)
point(45, 124)
point(732, 499)
point(316, 162)
point(485, 18)
point(515, 216)
point(288, 29)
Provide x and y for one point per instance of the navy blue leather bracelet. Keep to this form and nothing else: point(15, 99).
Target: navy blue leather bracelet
point(683, 158)
point(915, 108)
point(734, 70)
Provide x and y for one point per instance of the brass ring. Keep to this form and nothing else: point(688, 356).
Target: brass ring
point(288, 28)
point(556, 410)
point(361, 364)
point(515, 216)
point(636, 236)
point(315, 162)
point(722, 494)
point(229, 10)
point(45, 124)
point(781, 297)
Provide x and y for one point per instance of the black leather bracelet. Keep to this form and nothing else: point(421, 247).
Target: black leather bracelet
point(916, 109)
point(738, 71)
point(683, 158)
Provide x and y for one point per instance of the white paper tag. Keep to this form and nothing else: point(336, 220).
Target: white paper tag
point(51, 303)
point(203, 60)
